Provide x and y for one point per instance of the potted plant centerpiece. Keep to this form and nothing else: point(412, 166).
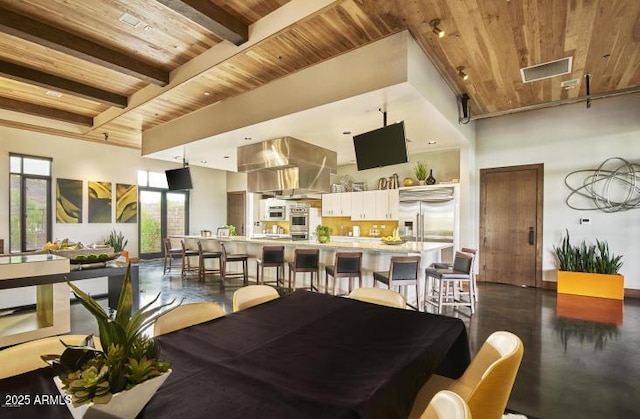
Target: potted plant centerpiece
point(122, 378)
point(420, 170)
point(118, 243)
point(589, 270)
point(323, 233)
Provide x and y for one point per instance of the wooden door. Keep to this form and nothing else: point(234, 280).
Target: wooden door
point(511, 225)
point(236, 213)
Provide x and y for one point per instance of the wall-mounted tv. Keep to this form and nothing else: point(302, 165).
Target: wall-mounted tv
point(179, 179)
point(381, 147)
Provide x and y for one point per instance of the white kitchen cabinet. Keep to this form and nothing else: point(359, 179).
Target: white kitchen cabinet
point(375, 205)
point(336, 204)
point(362, 207)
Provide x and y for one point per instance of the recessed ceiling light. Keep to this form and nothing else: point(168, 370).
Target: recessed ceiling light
point(148, 27)
point(346, 132)
point(53, 93)
point(207, 93)
point(433, 142)
point(248, 138)
point(226, 157)
point(177, 157)
point(130, 20)
point(203, 161)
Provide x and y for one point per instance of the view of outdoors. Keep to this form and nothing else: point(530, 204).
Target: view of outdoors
point(151, 218)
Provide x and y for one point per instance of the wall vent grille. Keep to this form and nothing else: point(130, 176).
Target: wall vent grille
point(546, 70)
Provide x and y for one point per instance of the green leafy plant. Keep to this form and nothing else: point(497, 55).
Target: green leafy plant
point(587, 258)
point(232, 229)
point(323, 233)
point(128, 358)
point(117, 241)
point(420, 170)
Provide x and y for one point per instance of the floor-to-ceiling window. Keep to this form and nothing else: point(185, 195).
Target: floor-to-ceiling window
point(163, 213)
point(29, 202)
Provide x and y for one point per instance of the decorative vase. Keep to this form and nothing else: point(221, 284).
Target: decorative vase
point(431, 180)
point(421, 182)
point(126, 404)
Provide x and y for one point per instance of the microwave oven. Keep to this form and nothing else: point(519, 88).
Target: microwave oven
point(276, 213)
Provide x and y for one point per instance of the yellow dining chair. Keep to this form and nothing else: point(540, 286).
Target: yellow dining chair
point(447, 405)
point(186, 315)
point(25, 357)
point(380, 296)
point(252, 295)
point(486, 383)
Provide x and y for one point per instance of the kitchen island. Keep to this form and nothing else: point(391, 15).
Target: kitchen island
point(375, 254)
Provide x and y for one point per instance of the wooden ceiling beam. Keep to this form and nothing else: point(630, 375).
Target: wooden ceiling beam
point(45, 112)
point(40, 33)
point(212, 17)
point(59, 84)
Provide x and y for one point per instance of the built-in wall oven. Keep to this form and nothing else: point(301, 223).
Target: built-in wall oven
point(299, 221)
point(277, 213)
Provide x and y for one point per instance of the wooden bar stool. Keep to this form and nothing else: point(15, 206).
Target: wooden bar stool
point(403, 271)
point(234, 257)
point(169, 254)
point(203, 255)
point(272, 257)
point(305, 260)
point(186, 262)
point(346, 265)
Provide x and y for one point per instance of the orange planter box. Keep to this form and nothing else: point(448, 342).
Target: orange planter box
point(591, 285)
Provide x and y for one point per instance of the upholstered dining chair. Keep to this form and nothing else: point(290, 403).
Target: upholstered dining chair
point(186, 315)
point(25, 357)
point(440, 295)
point(345, 265)
point(447, 405)
point(252, 295)
point(403, 271)
point(170, 253)
point(486, 383)
point(379, 296)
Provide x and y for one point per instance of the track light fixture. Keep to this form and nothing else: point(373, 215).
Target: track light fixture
point(435, 29)
point(462, 74)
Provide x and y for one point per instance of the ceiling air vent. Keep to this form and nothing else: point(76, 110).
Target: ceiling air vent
point(546, 70)
point(569, 84)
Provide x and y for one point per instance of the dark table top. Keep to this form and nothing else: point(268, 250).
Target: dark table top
point(304, 355)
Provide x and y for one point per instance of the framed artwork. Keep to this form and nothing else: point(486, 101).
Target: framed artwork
point(223, 232)
point(99, 201)
point(68, 201)
point(126, 203)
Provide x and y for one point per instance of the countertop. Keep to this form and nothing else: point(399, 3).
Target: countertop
point(355, 244)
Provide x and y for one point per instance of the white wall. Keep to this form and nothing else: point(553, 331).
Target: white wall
point(565, 139)
point(76, 159)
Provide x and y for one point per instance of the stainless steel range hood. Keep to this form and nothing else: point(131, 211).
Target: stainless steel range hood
point(287, 166)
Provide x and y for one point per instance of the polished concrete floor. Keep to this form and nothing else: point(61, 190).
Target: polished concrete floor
point(581, 358)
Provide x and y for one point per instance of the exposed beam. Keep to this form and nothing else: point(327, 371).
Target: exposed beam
point(40, 33)
point(212, 17)
point(37, 110)
point(49, 81)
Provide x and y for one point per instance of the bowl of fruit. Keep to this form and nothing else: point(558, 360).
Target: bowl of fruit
point(392, 240)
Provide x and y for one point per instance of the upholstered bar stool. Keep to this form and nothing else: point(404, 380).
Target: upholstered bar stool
point(305, 260)
point(346, 265)
point(272, 257)
point(186, 261)
point(403, 271)
point(473, 283)
point(234, 257)
point(170, 253)
point(460, 271)
point(203, 256)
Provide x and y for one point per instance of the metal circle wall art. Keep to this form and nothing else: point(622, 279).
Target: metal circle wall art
point(613, 187)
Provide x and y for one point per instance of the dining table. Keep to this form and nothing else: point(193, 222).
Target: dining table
point(303, 355)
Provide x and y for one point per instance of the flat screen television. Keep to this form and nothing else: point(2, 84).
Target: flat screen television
point(178, 179)
point(381, 147)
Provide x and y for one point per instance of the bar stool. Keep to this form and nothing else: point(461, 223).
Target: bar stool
point(186, 262)
point(473, 282)
point(305, 260)
point(203, 255)
point(459, 272)
point(346, 265)
point(234, 257)
point(272, 257)
point(169, 254)
point(403, 271)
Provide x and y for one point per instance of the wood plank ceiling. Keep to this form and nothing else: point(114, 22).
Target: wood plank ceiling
point(77, 62)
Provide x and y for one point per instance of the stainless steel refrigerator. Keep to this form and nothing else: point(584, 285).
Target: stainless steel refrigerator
point(429, 214)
